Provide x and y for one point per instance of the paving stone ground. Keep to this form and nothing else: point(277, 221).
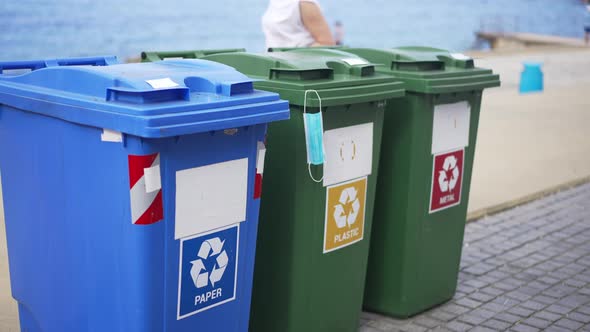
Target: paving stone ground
point(526, 269)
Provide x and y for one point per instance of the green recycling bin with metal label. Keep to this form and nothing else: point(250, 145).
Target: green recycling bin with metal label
point(315, 224)
point(424, 177)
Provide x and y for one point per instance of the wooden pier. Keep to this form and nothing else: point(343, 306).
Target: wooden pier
point(519, 40)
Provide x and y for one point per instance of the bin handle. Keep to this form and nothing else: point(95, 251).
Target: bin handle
point(39, 64)
point(88, 61)
point(159, 56)
point(304, 120)
point(26, 64)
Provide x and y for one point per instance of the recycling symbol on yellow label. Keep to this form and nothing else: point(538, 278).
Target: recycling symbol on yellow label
point(346, 212)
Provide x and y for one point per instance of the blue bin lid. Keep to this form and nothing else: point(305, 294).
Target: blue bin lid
point(158, 99)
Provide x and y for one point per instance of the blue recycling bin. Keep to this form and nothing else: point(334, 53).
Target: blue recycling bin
point(131, 193)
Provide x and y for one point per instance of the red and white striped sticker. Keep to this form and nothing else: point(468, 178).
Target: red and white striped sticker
point(145, 189)
point(260, 155)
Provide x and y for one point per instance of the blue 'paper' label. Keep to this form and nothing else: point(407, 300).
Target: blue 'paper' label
point(314, 137)
point(208, 270)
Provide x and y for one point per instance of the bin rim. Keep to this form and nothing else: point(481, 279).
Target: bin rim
point(187, 96)
point(430, 70)
point(291, 75)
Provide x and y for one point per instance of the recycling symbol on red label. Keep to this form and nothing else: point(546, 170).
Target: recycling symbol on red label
point(349, 199)
point(210, 249)
point(449, 175)
point(447, 179)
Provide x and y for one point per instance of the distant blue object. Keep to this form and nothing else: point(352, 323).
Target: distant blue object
point(531, 79)
point(99, 237)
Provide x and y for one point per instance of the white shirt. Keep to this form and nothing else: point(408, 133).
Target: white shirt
point(282, 24)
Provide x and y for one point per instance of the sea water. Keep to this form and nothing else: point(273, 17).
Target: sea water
point(31, 29)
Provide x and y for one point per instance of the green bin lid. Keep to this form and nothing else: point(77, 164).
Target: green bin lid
point(340, 78)
point(430, 70)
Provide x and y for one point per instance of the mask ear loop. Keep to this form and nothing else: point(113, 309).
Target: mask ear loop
point(304, 111)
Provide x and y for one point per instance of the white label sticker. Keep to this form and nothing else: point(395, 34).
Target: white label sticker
point(355, 61)
point(349, 153)
point(450, 127)
point(261, 154)
point(162, 83)
point(152, 179)
point(460, 56)
point(111, 136)
point(210, 197)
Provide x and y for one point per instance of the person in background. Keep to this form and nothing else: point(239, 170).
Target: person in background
point(587, 23)
point(338, 33)
point(295, 23)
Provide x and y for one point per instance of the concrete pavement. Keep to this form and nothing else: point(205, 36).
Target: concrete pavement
point(525, 270)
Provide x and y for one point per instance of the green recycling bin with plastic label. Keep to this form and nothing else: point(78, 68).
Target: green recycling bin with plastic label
point(427, 154)
point(315, 223)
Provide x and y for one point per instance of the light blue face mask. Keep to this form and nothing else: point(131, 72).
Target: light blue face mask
point(314, 135)
point(314, 138)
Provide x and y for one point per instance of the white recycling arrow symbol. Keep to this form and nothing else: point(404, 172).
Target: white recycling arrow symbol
point(209, 249)
point(449, 165)
point(347, 196)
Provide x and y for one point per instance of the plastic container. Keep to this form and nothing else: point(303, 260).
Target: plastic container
point(531, 78)
point(129, 193)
